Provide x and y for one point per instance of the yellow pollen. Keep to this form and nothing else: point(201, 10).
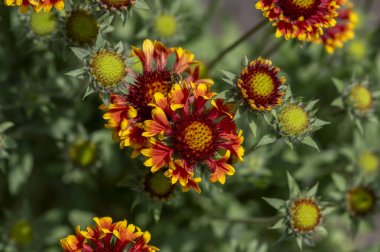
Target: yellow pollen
point(305, 215)
point(43, 23)
point(198, 136)
point(154, 87)
point(303, 3)
point(361, 98)
point(166, 25)
point(369, 162)
point(294, 120)
point(262, 85)
point(108, 68)
point(360, 200)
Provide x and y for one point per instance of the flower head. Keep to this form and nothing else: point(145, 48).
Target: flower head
point(117, 5)
point(127, 113)
point(165, 25)
point(360, 201)
point(83, 153)
point(261, 85)
point(369, 162)
point(81, 27)
point(157, 185)
point(302, 214)
point(45, 5)
point(360, 98)
point(301, 19)
point(185, 133)
point(43, 24)
point(108, 236)
point(335, 37)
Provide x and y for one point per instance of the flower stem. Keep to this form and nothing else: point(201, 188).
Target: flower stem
point(245, 36)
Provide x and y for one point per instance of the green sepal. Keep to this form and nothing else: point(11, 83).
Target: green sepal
point(279, 225)
point(339, 182)
point(76, 73)
point(5, 126)
point(141, 4)
point(80, 52)
point(310, 142)
point(294, 189)
point(229, 75)
point(299, 242)
point(320, 123)
point(289, 144)
point(276, 203)
point(267, 139)
point(88, 92)
point(313, 191)
point(253, 124)
point(338, 102)
point(339, 84)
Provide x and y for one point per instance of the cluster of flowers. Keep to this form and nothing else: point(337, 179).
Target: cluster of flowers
point(108, 236)
point(37, 5)
point(170, 115)
point(321, 21)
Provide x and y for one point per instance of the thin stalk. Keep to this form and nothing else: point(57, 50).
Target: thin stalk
point(245, 36)
point(271, 50)
point(257, 220)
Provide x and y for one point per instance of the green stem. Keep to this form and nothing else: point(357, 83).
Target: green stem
point(211, 10)
point(367, 5)
point(245, 36)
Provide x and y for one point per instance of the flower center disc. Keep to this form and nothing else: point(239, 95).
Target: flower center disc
point(361, 98)
point(361, 201)
point(118, 4)
point(262, 86)
point(195, 140)
point(305, 215)
point(166, 25)
point(299, 8)
point(82, 27)
point(154, 87)
point(369, 162)
point(43, 23)
point(108, 68)
point(294, 120)
point(158, 185)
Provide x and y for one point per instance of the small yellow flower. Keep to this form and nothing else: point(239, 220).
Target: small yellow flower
point(157, 185)
point(305, 215)
point(108, 68)
point(360, 98)
point(22, 232)
point(43, 23)
point(294, 120)
point(360, 201)
point(81, 27)
point(358, 49)
point(165, 25)
point(369, 162)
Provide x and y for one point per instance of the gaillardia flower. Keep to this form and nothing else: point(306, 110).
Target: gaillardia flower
point(360, 99)
point(302, 214)
point(360, 201)
point(81, 27)
point(37, 5)
point(335, 37)
point(185, 134)
point(369, 162)
point(301, 19)
point(117, 5)
point(126, 113)
point(260, 85)
point(158, 186)
point(43, 24)
point(108, 236)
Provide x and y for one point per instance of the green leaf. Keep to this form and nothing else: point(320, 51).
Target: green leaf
point(339, 84)
point(310, 142)
point(5, 126)
point(21, 168)
point(267, 139)
point(80, 53)
point(338, 102)
point(359, 125)
point(76, 72)
point(299, 242)
point(229, 75)
point(253, 125)
point(339, 182)
point(288, 143)
point(276, 203)
point(100, 42)
point(294, 189)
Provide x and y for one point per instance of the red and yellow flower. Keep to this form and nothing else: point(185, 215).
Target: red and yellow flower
point(185, 133)
point(261, 85)
point(335, 37)
point(301, 19)
point(126, 113)
point(108, 236)
point(37, 5)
